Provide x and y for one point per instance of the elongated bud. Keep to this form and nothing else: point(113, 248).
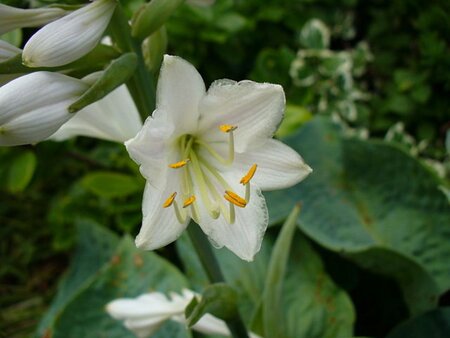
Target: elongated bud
point(34, 106)
point(154, 48)
point(69, 38)
point(12, 18)
point(8, 51)
point(152, 16)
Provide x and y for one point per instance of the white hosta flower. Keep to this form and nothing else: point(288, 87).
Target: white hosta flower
point(113, 118)
point(145, 314)
point(208, 155)
point(12, 18)
point(69, 38)
point(8, 51)
point(34, 106)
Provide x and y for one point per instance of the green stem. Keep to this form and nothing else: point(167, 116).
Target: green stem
point(141, 84)
point(212, 269)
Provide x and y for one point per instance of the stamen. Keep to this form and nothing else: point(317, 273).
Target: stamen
point(181, 215)
point(232, 215)
point(249, 175)
point(189, 201)
point(247, 192)
point(235, 199)
point(179, 164)
point(170, 200)
point(226, 128)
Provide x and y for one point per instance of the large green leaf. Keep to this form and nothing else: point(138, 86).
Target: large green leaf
point(433, 324)
point(97, 276)
point(313, 305)
point(374, 203)
point(96, 246)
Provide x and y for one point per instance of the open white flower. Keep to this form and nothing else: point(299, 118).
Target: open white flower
point(34, 106)
point(212, 151)
point(12, 18)
point(145, 314)
point(69, 38)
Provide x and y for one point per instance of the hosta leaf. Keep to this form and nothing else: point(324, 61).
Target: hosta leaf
point(102, 275)
point(370, 199)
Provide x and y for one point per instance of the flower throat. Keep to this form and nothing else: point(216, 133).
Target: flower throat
point(200, 175)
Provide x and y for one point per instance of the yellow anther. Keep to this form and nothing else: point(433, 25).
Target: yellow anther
point(226, 128)
point(179, 164)
point(249, 175)
point(189, 201)
point(235, 199)
point(170, 200)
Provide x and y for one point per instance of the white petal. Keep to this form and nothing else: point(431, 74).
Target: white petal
point(180, 88)
point(245, 235)
point(69, 38)
point(211, 325)
point(8, 51)
point(255, 108)
point(160, 226)
point(279, 166)
point(146, 327)
point(113, 118)
point(12, 18)
point(151, 148)
point(34, 106)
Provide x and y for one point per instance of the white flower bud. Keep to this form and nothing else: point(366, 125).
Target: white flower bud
point(8, 51)
point(34, 106)
point(69, 38)
point(12, 18)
